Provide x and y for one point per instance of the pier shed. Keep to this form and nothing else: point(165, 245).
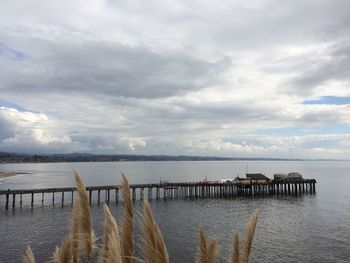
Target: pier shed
point(258, 178)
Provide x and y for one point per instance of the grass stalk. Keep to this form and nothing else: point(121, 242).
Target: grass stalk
point(127, 240)
point(64, 253)
point(83, 214)
point(29, 257)
point(110, 251)
point(249, 237)
point(153, 245)
point(234, 257)
point(207, 249)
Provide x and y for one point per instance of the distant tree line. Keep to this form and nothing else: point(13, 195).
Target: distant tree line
point(6, 157)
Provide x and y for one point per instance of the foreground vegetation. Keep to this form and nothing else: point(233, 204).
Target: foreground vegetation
point(117, 244)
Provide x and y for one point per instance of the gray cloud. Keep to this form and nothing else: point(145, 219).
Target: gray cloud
point(172, 77)
point(334, 66)
point(110, 68)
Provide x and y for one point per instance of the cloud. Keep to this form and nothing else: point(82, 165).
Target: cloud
point(83, 66)
point(331, 66)
point(175, 77)
point(23, 130)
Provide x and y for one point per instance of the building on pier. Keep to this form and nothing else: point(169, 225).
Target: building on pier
point(290, 177)
point(258, 178)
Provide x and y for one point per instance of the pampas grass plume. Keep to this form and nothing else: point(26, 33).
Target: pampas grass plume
point(29, 257)
point(234, 257)
point(249, 237)
point(153, 246)
point(85, 222)
point(207, 249)
point(110, 251)
point(128, 223)
point(64, 253)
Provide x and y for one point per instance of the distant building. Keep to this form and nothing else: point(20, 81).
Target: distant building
point(280, 177)
point(294, 176)
point(290, 177)
point(242, 180)
point(258, 178)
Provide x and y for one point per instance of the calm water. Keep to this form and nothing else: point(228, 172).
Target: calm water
point(311, 228)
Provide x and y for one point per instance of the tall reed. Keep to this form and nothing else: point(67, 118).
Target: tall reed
point(29, 257)
point(83, 214)
point(118, 245)
point(249, 237)
point(111, 247)
point(207, 249)
point(153, 245)
point(234, 257)
point(128, 223)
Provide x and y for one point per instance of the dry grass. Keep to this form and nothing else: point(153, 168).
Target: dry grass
point(110, 250)
point(64, 253)
point(29, 257)
point(153, 246)
point(85, 229)
point(118, 245)
point(235, 250)
point(128, 223)
point(249, 237)
point(207, 249)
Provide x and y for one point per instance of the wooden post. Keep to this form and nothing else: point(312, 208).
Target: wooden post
point(90, 196)
point(42, 198)
point(72, 196)
point(133, 194)
point(108, 196)
point(20, 200)
point(53, 198)
point(32, 201)
point(157, 193)
point(13, 200)
point(7, 201)
point(98, 196)
point(62, 199)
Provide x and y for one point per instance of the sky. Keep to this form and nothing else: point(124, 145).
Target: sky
point(224, 78)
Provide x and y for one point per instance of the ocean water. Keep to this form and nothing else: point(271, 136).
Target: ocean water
point(308, 228)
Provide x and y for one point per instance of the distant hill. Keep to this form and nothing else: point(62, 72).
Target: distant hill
point(6, 157)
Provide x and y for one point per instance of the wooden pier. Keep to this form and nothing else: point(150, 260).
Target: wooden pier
point(159, 191)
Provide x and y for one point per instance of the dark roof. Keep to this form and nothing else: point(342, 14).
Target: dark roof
point(257, 176)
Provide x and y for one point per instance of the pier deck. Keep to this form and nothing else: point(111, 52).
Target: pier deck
point(163, 191)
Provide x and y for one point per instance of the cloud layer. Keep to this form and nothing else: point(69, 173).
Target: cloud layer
point(228, 79)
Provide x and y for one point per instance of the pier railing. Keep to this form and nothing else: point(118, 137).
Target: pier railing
point(162, 191)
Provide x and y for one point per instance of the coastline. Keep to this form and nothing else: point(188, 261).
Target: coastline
point(8, 174)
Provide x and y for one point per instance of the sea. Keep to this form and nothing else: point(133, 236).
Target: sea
point(306, 228)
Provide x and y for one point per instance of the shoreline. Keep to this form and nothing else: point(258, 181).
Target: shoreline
point(9, 174)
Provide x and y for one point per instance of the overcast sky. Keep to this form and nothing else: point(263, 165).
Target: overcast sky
point(243, 78)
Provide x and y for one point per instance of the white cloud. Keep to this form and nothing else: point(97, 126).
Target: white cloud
point(29, 128)
point(183, 77)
